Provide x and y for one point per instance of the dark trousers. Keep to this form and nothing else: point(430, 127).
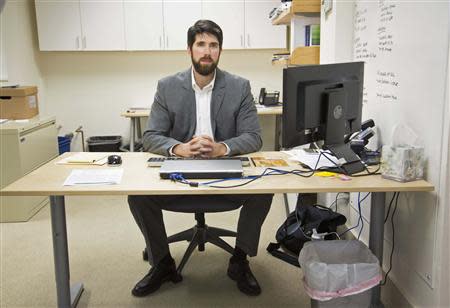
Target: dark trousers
point(147, 211)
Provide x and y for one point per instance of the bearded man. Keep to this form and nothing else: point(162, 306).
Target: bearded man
point(201, 112)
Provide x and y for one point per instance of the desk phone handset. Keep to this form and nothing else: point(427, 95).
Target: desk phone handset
point(268, 98)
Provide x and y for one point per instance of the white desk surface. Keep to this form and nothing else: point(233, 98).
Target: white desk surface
point(277, 110)
point(138, 179)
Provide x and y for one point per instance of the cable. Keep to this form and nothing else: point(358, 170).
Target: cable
point(360, 215)
point(178, 177)
point(368, 172)
point(393, 241)
point(389, 208)
point(336, 201)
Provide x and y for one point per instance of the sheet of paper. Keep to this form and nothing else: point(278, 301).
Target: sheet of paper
point(94, 177)
point(85, 158)
point(309, 158)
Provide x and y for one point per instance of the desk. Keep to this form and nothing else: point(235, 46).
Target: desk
point(47, 181)
point(136, 115)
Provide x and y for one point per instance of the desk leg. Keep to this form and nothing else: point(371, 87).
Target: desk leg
point(138, 129)
point(66, 296)
point(132, 134)
point(376, 237)
point(277, 132)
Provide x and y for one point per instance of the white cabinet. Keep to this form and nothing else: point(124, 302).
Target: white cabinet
point(144, 25)
point(59, 26)
point(229, 15)
point(179, 15)
point(80, 25)
point(152, 24)
point(259, 32)
point(102, 25)
point(23, 148)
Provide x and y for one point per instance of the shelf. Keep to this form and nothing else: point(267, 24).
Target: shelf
point(301, 56)
point(297, 7)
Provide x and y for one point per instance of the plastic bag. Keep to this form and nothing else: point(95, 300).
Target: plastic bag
point(338, 268)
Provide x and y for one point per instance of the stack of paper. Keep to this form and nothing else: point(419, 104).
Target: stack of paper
point(310, 158)
point(94, 176)
point(84, 158)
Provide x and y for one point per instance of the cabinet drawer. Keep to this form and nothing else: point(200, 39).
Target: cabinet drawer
point(37, 146)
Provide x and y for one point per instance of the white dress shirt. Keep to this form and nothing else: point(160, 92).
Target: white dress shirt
point(203, 106)
point(203, 110)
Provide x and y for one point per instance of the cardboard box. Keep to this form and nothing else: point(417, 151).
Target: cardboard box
point(18, 103)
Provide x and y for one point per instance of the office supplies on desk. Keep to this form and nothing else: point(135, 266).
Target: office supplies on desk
point(96, 177)
point(202, 168)
point(84, 158)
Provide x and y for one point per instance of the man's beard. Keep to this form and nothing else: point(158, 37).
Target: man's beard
point(204, 69)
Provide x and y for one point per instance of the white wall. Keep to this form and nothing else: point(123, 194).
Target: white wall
point(413, 246)
point(92, 89)
point(444, 258)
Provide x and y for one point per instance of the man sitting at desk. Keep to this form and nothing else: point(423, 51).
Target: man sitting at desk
point(205, 112)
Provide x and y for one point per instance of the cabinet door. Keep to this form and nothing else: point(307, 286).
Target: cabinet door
point(258, 27)
point(229, 15)
point(58, 25)
point(143, 25)
point(179, 15)
point(103, 25)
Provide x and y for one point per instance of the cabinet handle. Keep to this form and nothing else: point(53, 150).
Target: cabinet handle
point(22, 139)
point(167, 41)
point(242, 41)
point(248, 40)
point(78, 42)
point(84, 42)
point(160, 42)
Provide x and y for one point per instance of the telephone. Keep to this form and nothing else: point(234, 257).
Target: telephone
point(268, 98)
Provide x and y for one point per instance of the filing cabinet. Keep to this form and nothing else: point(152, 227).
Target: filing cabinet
point(24, 146)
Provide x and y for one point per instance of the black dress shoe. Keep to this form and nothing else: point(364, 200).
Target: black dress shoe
point(155, 278)
point(240, 272)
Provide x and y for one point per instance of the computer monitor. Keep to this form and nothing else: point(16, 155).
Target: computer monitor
point(324, 102)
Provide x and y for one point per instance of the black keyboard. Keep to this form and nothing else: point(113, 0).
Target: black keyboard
point(158, 161)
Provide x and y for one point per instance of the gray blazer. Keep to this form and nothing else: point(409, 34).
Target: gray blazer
point(173, 114)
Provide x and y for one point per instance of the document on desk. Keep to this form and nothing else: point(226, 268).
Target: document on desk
point(310, 157)
point(94, 177)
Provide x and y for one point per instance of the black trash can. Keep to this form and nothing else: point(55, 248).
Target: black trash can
point(104, 143)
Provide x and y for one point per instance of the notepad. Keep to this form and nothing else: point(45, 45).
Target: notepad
point(85, 158)
point(94, 177)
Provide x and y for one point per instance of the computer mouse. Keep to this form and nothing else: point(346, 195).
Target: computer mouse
point(114, 160)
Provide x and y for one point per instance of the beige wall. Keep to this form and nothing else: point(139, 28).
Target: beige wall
point(92, 88)
point(17, 20)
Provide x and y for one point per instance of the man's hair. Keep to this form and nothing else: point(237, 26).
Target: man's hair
point(202, 26)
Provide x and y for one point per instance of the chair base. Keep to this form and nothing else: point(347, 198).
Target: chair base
point(198, 236)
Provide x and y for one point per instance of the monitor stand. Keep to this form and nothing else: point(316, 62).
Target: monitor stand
point(353, 162)
point(335, 131)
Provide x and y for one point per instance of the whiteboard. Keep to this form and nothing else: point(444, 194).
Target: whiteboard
point(405, 49)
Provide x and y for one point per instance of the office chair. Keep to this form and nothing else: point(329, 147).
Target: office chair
point(201, 233)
